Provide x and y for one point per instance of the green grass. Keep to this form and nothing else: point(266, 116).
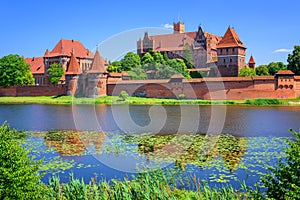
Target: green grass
point(108, 100)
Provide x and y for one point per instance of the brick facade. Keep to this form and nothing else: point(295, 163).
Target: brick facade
point(41, 90)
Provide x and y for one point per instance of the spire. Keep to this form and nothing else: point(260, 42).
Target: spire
point(98, 63)
point(251, 60)
point(230, 39)
point(73, 67)
point(46, 53)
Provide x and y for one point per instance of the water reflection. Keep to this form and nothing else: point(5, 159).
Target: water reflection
point(74, 143)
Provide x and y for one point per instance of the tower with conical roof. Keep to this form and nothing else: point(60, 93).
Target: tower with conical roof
point(72, 73)
point(251, 62)
point(96, 77)
point(231, 54)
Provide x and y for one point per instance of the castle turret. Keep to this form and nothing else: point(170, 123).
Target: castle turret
point(178, 27)
point(251, 62)
point(71, 75)
point(231, 54)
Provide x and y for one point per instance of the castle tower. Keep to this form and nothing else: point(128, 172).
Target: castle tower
point(178, 27)
point(96, 77)
point(231, 54)
point(71, 75)
point(251, 62)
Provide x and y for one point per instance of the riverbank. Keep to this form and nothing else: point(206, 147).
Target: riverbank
point(108, 100)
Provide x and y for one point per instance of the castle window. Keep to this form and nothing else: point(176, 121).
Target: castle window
point(230, 60)
point(224, 60)
point(226, 50)
point(221, 50)
point(232, 49)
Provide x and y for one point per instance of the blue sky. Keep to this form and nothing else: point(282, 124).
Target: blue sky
point(30, 27)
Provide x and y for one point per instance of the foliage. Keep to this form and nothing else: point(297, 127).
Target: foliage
point(56, 72)
point(147, 59)
point(158, 58)
point(114, 67)
point(294, 60)
point(284, 182)
point(274, 67)
point(165, 72)
point(137, 73)
point(188, 56)
point(123, 95)
point(14, 71)
point(179, 66)
point(247, 71)
point(18, 171)
point(130, 61)
point(262, 101)
point(262, 70)
point(181, 96)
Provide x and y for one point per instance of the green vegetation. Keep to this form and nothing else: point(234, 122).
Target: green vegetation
point(14, 71)
point(262, 70)
point(284, 182)
point(123, 95)
point(19, 178)
point(109, 100)
point(294, 60)
point(271, 69)
point(262, 101)
point(56, 72)
point(246, 72)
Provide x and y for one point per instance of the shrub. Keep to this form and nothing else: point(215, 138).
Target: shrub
point(284, 182)
point(181, 96)
point(262, 101)
point(18, 172)
point(123, 95)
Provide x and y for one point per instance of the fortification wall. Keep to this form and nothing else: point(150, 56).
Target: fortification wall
point(209, 88)
point(42, 90)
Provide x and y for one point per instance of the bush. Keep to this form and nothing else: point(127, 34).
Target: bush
point(123, 95)
point(284, 181)
point(18, 172)
point(262, 101)
point(181, 96)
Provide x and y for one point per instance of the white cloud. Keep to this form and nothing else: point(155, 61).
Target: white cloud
point(283, 51)
point(167, 25)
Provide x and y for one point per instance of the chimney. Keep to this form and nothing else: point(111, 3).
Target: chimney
point(178, 27)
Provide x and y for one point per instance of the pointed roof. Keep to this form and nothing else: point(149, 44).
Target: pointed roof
point(73, 66)
point(285, 72)
point(251, 60)
point(46, 53)
point(98, 63)
point(64, 48)
point(230, 39)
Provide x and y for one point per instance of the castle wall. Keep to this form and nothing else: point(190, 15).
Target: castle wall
point(41, 90)
point(210, 88)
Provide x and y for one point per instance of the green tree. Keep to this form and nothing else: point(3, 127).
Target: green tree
point(179, 66)
point(19, 178)
point(294, 60)
point(130, 61)
point(188, 57)
point(262, 70)
point(55, 73)
point(158, 58)
point(137, 73)
point(274, 67)
point(114, 67)
point(147, 59)
point(247, 71)
point(14, 71)
point(123, 95)
point(165, 55)
point(165, 72)
point(284, 182)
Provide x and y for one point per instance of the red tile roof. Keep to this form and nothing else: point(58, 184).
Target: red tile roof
point(36, 65)
point(64, 48)
point(73, 67)
point(177, 76)
point(98, 64)
point(251, 60)
point(172, 42)
point(230, 39)
point(285, 72)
